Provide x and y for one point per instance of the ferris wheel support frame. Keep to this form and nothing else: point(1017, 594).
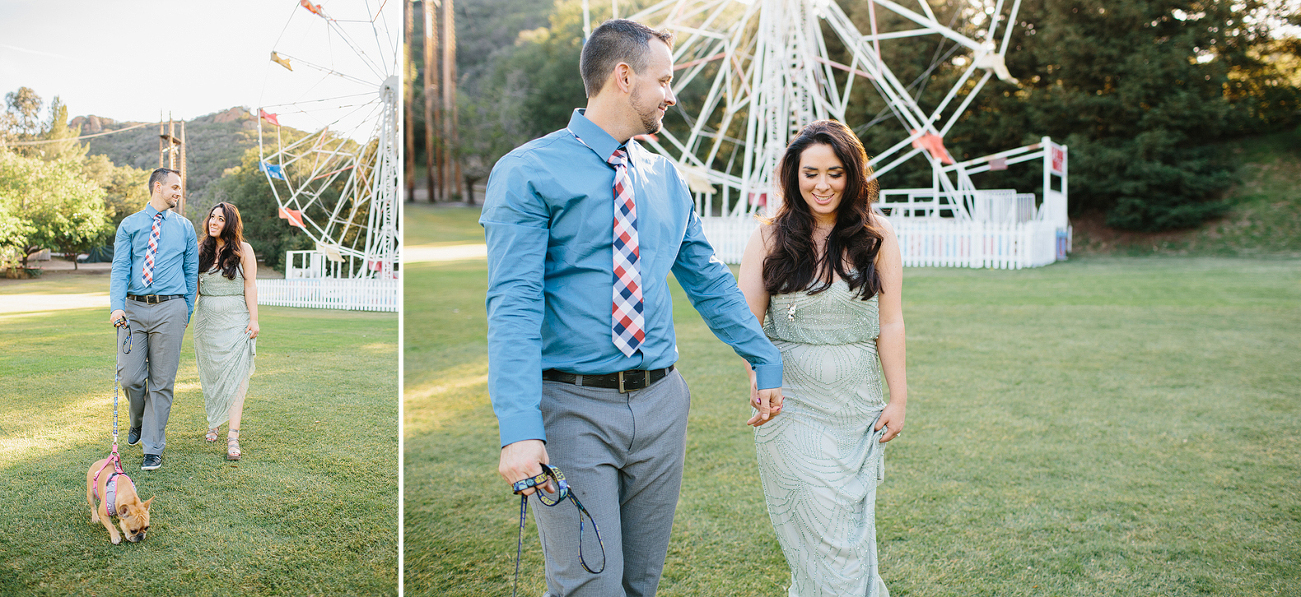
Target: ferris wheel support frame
point(775, 70)
point(369, 170)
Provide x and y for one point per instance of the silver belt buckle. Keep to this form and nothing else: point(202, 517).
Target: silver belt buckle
point(621, 390)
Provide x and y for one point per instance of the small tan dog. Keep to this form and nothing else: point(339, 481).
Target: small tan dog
point(119, 499)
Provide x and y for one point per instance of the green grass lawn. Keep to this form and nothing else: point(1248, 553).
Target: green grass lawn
point(310, 509)
point(1103, 426)
point(440, 224)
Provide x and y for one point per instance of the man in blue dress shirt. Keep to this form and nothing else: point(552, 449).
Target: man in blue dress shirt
point(583, 227)
point(154, 281)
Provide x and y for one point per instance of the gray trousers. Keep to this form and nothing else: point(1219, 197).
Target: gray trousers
point(622, 455)
point(148, 372)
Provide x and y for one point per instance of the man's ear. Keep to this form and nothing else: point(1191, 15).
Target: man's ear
point(623, 77)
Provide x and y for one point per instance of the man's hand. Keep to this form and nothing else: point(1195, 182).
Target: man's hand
point(769, 403)
point(117, 317)
point(523, 459)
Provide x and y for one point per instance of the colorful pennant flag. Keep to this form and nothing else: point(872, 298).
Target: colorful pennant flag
point(313, 8)
point(267, 116)
point(281, 61)
point(272, 170)
point(294, 216)
point(934, 145)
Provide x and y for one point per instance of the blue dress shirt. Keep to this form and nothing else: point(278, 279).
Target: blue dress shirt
point(176, 264)
point(548, 220)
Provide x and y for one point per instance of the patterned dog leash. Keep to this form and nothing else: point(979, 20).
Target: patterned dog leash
point(563, 491)
point(117, 381)
point(113, 457)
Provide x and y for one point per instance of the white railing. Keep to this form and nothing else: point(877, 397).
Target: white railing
point(728, 235)
point(935, 242)
point(328, 293)
point(928, 242)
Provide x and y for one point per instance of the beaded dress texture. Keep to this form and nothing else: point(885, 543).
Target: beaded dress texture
point(820, 461)
point(223, 349)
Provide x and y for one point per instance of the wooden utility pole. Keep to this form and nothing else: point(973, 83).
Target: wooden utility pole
point(408, 77)
point(180, 207)
point(168, 147)
point(451, 173)
point(432, 122)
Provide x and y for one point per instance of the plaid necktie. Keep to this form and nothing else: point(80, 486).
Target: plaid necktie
point(628, 324)
point(148, 274)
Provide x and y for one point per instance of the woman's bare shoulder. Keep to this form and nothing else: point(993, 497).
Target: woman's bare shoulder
point(882, 224)
point(763, 233)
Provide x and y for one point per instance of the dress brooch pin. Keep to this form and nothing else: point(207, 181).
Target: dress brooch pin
point(790, 313)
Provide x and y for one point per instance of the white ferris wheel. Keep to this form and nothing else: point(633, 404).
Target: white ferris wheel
point(334, 75)
point(767, 71)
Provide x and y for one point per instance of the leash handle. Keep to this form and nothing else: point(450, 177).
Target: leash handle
point(563, 492)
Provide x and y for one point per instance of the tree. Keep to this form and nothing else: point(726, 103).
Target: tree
point(63, 209)
point(13, 239)
point(1142, 92)
point(21, 120)
point(126, 189)
point(61, 139)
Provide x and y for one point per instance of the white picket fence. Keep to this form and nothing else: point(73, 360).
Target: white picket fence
point(935, 242)
point(327, 293)
point(728, 235)
point(927, 242)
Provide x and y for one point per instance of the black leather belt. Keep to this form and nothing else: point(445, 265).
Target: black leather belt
point(624, 381)
point(154, 299)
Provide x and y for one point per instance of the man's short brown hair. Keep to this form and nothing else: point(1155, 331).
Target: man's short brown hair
point(615, 41)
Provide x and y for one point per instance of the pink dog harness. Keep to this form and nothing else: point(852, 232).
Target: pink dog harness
point(110, 488)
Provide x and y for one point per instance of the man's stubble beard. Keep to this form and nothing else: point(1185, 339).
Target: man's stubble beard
point(650, 119)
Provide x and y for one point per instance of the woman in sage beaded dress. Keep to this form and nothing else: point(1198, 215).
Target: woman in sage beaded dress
point(225, 322)
point(823, 276)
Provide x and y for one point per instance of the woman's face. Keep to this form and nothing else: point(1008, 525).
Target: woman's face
point(822, 181)
point(216, 222)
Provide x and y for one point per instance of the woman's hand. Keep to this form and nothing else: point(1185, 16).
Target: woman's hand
point(767, 402)
point(252, 329)
point(891, 417)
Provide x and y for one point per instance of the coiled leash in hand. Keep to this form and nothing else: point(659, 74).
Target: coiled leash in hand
point(562, 492)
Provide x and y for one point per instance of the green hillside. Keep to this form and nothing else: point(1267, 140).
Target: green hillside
point(215, 142)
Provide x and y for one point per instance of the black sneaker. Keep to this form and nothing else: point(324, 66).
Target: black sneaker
point(133, 436)
point(151, 462)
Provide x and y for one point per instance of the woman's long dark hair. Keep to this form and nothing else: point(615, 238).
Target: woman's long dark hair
point(793, 264)
point(233, 237)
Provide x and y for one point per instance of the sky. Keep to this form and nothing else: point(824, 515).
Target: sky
point(129, 60)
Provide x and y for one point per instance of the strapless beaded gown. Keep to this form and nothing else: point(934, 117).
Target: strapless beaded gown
point(819, 460)
point(223, 350)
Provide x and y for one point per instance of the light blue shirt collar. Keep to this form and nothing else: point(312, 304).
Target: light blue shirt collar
point(593, 136)
point(150, 211)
